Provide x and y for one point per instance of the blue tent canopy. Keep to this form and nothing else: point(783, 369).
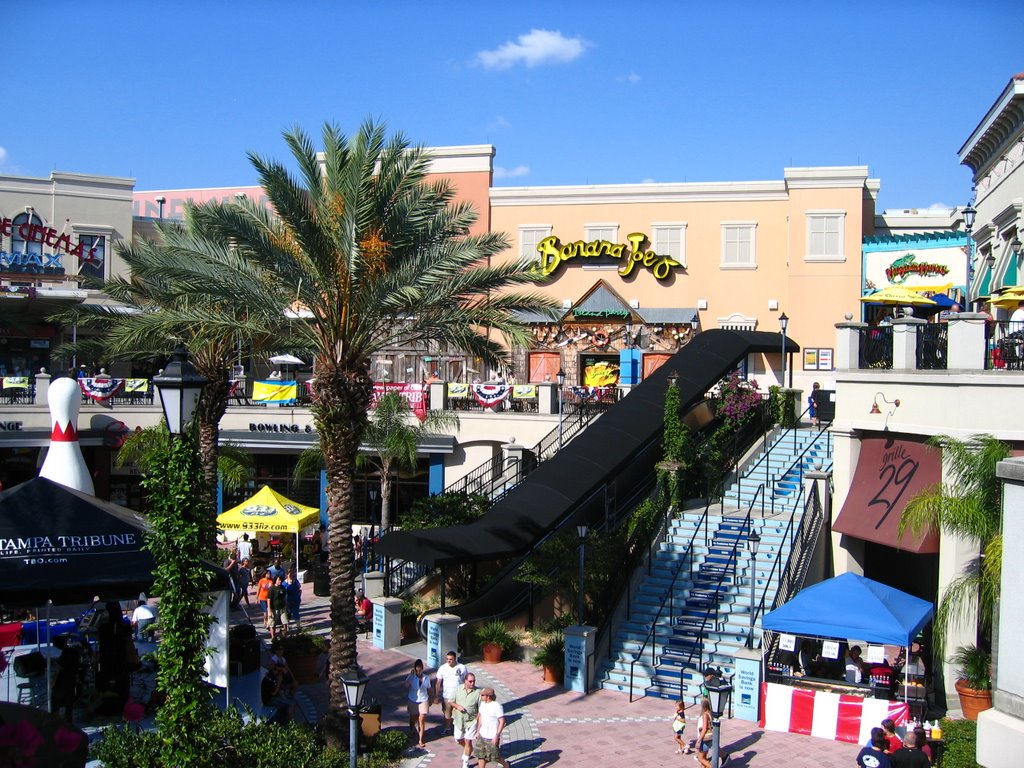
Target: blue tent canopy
point(852, 607)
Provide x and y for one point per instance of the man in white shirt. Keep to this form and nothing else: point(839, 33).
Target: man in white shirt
point(449, 677)
point(490, 722)
point(142, 617)
point(244, 548)
point(1017, 318)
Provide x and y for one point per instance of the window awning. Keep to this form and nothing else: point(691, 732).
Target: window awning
point(890, 472)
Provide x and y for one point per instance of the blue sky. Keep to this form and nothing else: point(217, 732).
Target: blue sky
point(175, 94)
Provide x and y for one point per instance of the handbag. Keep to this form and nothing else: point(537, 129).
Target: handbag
point(131, 654)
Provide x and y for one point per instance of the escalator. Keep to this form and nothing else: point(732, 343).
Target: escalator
point(594, 480)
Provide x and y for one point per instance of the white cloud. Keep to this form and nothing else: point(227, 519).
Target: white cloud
point(511, 173)
point(939, 207)
point(536, 47)
point(648, 180)
point(3, 155)
point(632, 78)
point(499, 123)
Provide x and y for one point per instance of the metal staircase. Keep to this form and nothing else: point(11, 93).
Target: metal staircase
point(694, 607)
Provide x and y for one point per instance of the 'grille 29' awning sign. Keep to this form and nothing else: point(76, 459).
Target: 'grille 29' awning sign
point(553, 254)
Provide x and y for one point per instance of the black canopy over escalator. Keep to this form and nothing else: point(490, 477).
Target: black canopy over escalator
point(604, 450)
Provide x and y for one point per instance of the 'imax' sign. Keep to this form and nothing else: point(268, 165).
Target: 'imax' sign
point(31, 263)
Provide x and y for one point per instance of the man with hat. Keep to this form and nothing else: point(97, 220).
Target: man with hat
point(490, 722)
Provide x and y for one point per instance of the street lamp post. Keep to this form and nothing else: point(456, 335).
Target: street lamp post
point(718, 694)
point(179, 388)
point(969, 215)
point(354, 682)
point(160, 200)
point(581, 531)
point(783, 324)
point(752, 542)
point(560, 376)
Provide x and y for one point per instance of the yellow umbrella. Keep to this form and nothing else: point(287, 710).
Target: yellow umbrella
point(897, 295)
point(268, 510)
point(1008, 299)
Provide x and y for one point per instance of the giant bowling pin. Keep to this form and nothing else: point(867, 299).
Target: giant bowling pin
point(64, 463)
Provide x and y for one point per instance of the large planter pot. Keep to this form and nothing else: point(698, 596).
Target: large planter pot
point(973, 701)
point(552, 674)
point(492, 653)
point(305, 666)
point(408, 628)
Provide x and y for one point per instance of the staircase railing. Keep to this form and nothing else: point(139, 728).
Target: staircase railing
point(686, 560)
point(729, 569)
point(651, 638)
point(797, 466)
point(801, 551)
point(496, 477)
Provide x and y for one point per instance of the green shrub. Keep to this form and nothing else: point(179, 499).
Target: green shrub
point(961, 738)
point(230, 743)
point(390, 745)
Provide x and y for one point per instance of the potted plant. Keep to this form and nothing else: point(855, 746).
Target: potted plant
point(551, 658)
point(494, 640)
point(409, 616)
point(302, 651)
point(974, 683)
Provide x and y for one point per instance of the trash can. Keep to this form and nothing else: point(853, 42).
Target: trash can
point(825, 405)
point(322, 580)
point(369, 719)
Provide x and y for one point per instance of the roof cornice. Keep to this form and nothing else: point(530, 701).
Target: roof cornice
point(1001, 124)
point(823, 177)
point(639, 193)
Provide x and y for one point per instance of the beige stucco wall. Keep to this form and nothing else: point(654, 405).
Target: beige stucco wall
point(814, 295)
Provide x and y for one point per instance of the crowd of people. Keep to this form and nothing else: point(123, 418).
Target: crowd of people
point(887, 750)
point(472, 716)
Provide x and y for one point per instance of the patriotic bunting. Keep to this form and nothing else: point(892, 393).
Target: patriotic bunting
point(489, 395)
point(101, 389)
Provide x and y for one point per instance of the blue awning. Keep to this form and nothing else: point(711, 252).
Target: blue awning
point(852, 607)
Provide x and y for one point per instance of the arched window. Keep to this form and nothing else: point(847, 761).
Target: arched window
point(20, 243)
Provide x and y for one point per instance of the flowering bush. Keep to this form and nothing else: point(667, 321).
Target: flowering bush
point(738, 401)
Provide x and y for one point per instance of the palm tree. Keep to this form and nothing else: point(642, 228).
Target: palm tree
point(156, 308)
point(968, 505)
point(393, 440)
point(371, 254)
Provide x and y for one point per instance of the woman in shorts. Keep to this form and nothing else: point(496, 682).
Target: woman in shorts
point(678, 726)
point(417, 685)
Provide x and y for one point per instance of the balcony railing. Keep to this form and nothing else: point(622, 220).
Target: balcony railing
point(932, 354)
point(876, 347)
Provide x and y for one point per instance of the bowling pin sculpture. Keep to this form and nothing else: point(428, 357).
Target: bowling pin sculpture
point(64, 463)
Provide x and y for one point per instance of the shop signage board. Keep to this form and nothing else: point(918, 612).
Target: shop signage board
point(553, 254)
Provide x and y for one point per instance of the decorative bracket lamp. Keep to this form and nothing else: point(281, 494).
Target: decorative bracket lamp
point(876, 410)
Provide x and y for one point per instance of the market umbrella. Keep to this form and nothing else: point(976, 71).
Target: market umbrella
point(286, 360)
point(897, 295)
point(268, 510)
point(1009, 298)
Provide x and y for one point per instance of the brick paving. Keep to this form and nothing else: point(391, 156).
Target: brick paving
point(547, 725)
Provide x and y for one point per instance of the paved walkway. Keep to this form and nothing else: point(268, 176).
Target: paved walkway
point(547, 725)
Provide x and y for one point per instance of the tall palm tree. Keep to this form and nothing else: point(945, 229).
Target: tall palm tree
point(968, 505)
point(371, 254)
point(392, 438)
point(155, 309)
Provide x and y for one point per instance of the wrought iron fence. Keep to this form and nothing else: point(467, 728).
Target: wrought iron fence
point(932, 352)
point(875, 347)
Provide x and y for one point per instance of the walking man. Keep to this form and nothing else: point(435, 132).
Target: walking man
point(466, 705)
point(490, 722)
point(449, 677)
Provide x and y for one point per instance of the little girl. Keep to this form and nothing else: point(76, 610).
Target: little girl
point(678, 726)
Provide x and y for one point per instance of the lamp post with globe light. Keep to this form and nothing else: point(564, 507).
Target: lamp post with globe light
point(718, 693)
